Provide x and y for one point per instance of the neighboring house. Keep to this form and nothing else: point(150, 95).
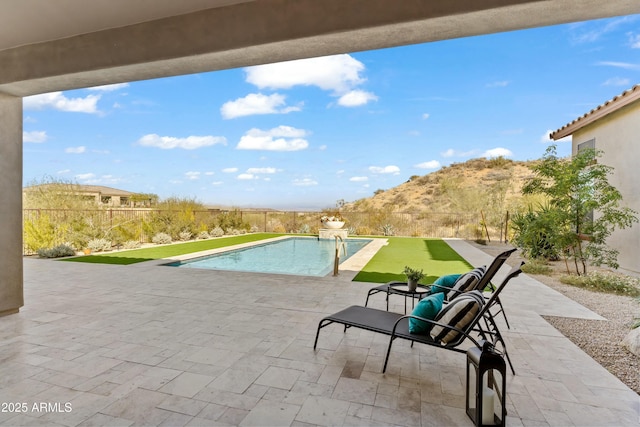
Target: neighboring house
point(107, 196)
point(614, 128)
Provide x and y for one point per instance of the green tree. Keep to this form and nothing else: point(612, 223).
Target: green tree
point(585, 208)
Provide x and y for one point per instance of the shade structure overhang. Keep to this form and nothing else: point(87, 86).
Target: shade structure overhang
point(68, 44)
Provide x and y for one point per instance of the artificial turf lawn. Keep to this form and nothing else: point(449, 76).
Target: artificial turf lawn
point(146, 254)
point(434, 256)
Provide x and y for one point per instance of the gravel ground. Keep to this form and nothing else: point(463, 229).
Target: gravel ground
point(600, 339)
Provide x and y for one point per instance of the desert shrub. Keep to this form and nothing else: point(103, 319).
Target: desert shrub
point(399, 199)
point(217, 232)
point(304, 229)
point(605, 282)
point(131, 244)
point(126, 231)
point(536, 266)
point(363, 230)
point(387, 230)
point(279, 229)
point(161, 239)
point(535, 232)
point(351, 230)
point(56, 251)
point(184, 235)
point(173, 216)
point(233, 232)
point(254, 229)
point(98, 245)
point(416, 231)
point(231, 220)
point(203, 235)
point(498, 162)
point(39, 233)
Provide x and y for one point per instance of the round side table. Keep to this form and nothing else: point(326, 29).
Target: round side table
point(401, 288)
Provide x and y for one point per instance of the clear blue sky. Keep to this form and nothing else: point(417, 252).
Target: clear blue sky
point(304, 134)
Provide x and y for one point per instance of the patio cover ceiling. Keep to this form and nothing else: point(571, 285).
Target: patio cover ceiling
point(66, 44)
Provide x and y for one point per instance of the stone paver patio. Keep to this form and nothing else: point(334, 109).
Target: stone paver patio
point(152, 345)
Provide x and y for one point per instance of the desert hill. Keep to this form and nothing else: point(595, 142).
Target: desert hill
point(492, 185)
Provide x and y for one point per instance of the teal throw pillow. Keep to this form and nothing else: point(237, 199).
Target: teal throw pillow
point(428, 308)
point(444, 283)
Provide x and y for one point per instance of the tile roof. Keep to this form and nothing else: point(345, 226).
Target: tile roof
point(614, 104)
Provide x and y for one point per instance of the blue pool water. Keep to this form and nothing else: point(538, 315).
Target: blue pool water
point(295, 255)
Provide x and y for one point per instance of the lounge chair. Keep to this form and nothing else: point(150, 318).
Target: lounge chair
point(448, 330)
point(481, 284)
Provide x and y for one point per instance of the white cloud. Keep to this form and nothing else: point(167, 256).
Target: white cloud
point(256, 103)
point(455, 153)
point(304, 182)
point(230, 170)
point(209, 173)
point(359, 178)
point(356, 98)
point(75, 150)
point(634, 40)
point(617, 81)
point(188, 143)
point(247, 176)
point(282, 138)
point(623, 65)
point(432, 164)
point(216, 183)
point(546, 139)
point(589, 32)
point(262, 170)
point(85, 176)
point(425, 116)
point(502, 83)
point(497, 152)
point(338, 73)
point(37, 136)
point(385, 170)
point(192, 175)
point(110, 88)
point(58, 101)
point(64, 171)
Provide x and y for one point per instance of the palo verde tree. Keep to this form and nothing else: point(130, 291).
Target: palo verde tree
point(583, 208)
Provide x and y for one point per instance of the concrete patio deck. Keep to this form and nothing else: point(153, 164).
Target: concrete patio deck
point(151, 345)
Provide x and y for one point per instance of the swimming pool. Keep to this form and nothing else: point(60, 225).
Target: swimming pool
point(301, 256)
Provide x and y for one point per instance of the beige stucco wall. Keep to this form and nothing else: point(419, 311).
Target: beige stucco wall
point(618, 136)
point(11, 298)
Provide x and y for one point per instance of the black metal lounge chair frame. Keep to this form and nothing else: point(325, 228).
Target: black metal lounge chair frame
point(484, 281)
point(397, 325)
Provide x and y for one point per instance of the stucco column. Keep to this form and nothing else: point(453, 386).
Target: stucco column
point(11, 292)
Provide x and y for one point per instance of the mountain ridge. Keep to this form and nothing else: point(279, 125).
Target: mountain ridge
point(476, 184)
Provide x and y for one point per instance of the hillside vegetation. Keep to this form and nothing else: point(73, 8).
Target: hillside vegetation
point(491, 185)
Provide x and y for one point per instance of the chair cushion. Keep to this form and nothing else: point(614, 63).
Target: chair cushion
point(444, 283)
point(428, 308)
point(467, 282)
point(459, 313)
